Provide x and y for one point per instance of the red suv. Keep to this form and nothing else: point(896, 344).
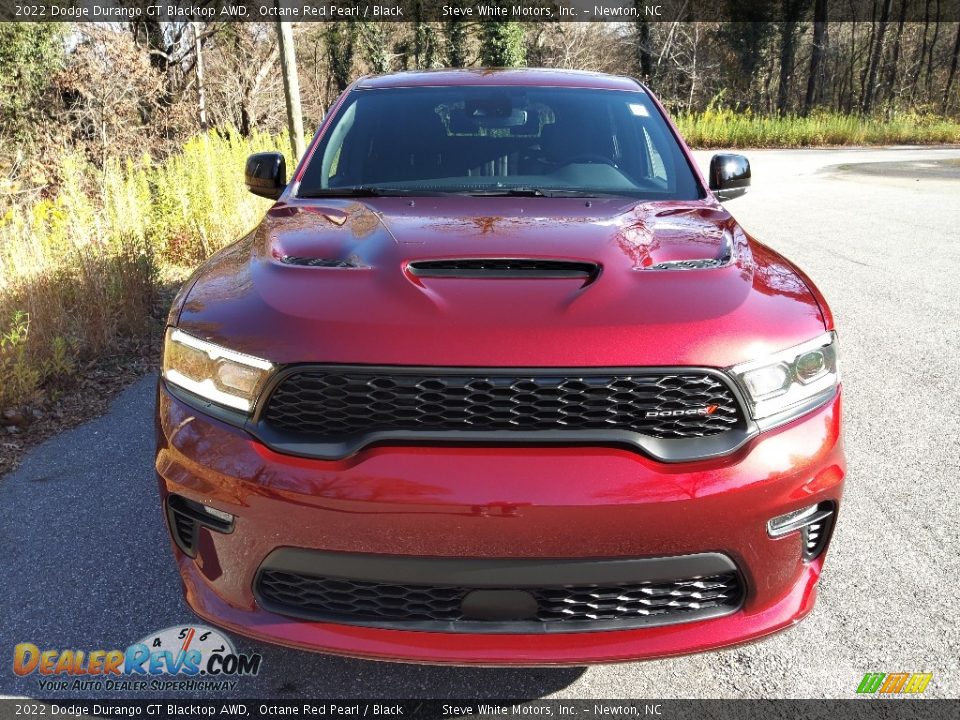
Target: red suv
point(498, 380)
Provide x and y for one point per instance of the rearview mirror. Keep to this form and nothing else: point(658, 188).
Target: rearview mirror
point(266, 174)
point(729, 175)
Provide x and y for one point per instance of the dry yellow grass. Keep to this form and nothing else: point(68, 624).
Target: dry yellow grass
point(79, 271)
point(724, 128)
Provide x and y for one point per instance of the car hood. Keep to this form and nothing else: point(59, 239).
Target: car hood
point(330, 281)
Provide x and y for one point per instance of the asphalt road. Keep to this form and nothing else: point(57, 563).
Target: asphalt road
point(86, 563)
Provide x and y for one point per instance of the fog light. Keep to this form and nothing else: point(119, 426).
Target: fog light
point(812, 522)
point(790, 522)
point(219, 514)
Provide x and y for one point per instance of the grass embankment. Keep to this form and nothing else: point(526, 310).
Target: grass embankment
point(80, 270)
point(727, 129)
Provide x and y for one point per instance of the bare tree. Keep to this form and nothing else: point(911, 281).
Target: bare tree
point(788, 51)
point(953, 72)
point(876, 54)
point(244, 90)
point(893, 66)
point(817, 51)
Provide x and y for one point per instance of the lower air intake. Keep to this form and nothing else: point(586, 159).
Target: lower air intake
point(186, 517)
point(519, 608)
point(816, 535)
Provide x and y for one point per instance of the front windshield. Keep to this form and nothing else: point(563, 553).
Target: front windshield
point(499, 140)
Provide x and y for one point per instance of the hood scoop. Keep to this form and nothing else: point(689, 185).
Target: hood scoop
point(350, 262)
point(504, 268)
point(725, 257)
point(699, 264)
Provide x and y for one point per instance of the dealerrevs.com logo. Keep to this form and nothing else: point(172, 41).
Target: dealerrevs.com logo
point(191, 657)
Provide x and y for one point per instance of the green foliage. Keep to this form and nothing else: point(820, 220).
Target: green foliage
point(424, 46)
point(374, 37)
point(341, 39)
point(458, 35)
point(503, 44)
point(29, 54)
point(748, 43)
point(20, 376)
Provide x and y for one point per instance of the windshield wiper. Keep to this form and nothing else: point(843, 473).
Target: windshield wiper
point(535, 192)
point(366, 191)
point(507, 192)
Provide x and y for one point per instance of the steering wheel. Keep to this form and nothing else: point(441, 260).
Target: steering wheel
point(593, 158)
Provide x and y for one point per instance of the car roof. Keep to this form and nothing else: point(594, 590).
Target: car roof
point(538, 77)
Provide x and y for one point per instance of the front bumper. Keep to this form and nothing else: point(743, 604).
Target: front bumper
point(467, 502)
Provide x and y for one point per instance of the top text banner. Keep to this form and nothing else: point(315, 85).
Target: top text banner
point(892, 11)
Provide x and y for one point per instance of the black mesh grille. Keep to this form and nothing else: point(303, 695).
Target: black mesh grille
point(362, 602)
point(332, 405)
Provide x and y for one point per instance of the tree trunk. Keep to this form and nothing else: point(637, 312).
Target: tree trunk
point(933, 47)
point(201, 89)
point(873, 68)
point(693, 68)
point(788, 49)
point(921, 56)
point(816, 54)
point(291, 88)
point(847, 103)
point(865, 72)
point(893, 68)
point(953, 72)
point(644, 60)
point(250, 90)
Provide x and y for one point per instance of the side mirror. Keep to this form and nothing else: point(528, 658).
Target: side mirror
point(266, 174)
point(729, 175)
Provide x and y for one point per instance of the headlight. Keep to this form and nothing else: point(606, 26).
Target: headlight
point(213, 372)
point(797, 379)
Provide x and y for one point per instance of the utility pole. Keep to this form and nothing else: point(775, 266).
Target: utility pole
point(201, 90)
point(291, 88)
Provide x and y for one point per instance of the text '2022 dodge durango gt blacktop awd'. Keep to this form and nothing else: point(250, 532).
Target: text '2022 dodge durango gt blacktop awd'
point(498, 380)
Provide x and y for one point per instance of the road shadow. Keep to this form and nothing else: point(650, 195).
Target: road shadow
point(948, 169)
